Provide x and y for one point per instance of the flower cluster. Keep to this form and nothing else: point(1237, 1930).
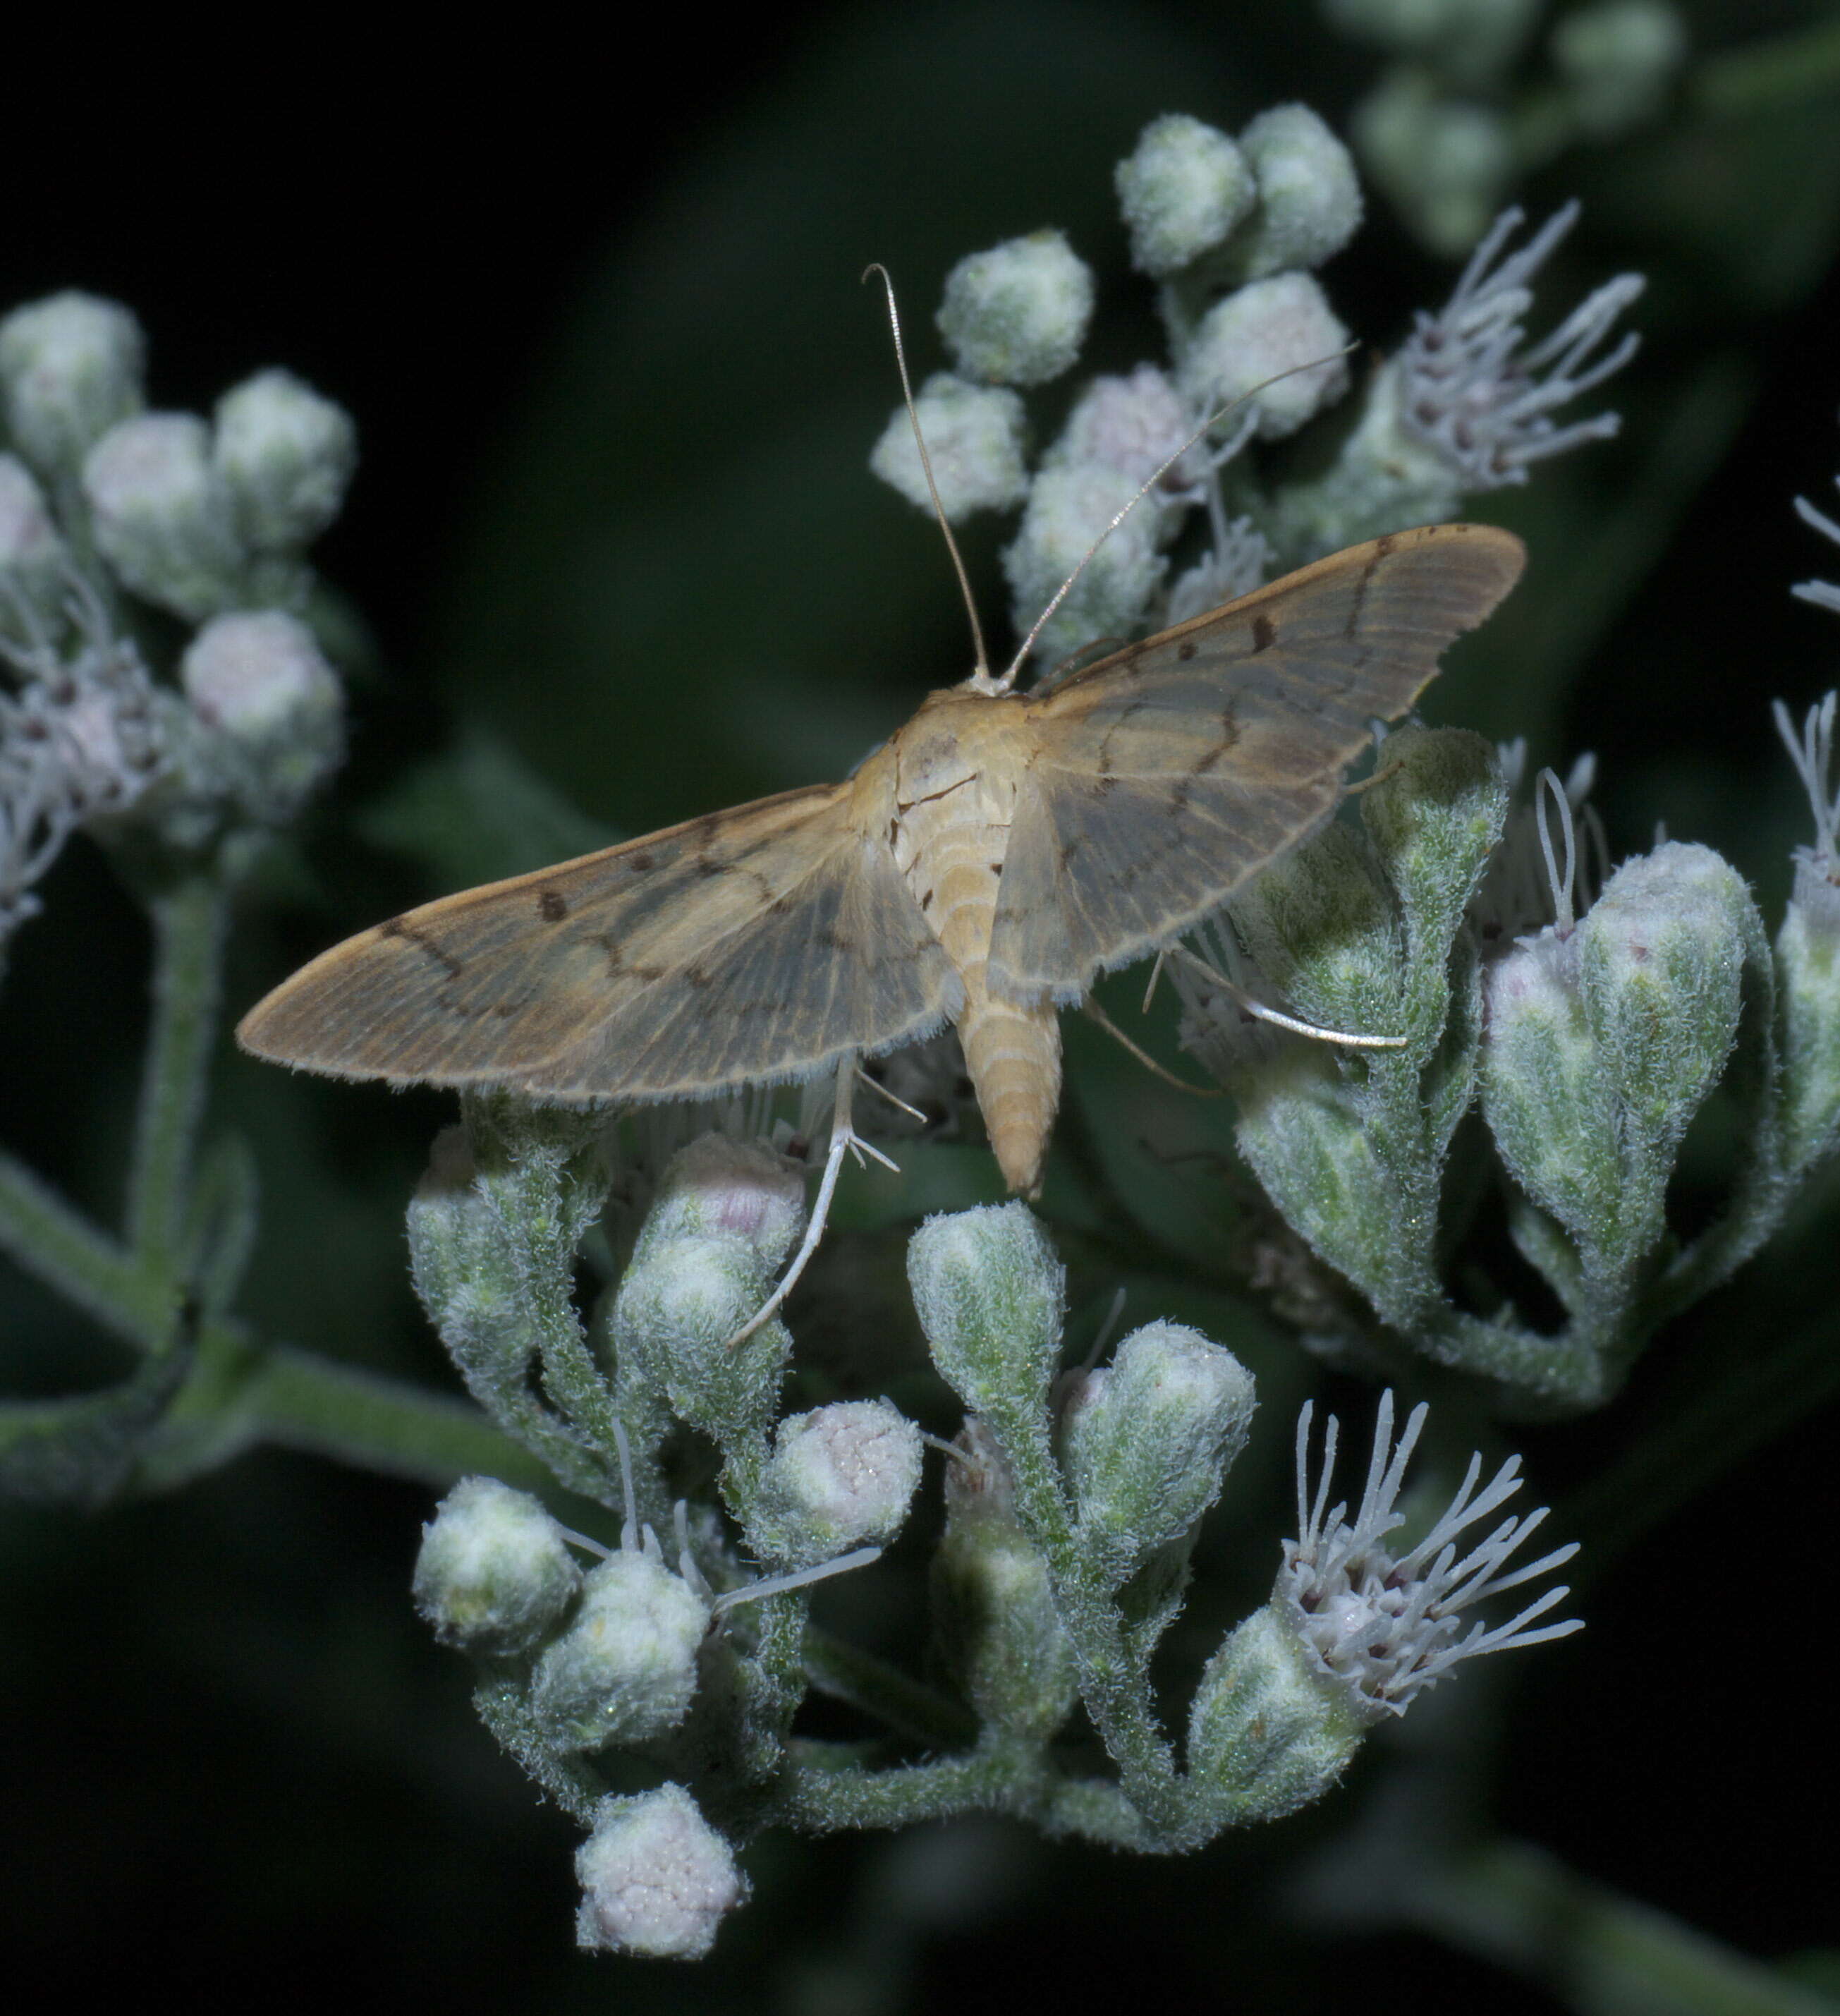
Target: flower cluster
point(1233, 231)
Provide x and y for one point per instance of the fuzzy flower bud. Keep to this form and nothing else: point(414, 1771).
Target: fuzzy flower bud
point(1265, 1737)
point(839, 1477)
point(286, 455)
point(1132, 425)
point(990, 1296)
point(976, 438)
point(1808, 948)
point(1444, 161)
point(162, 514)
point(999, 1632)
point(1618, 59)
point(726, 1214)
point(656, 1878)
point(1268, 327)
point(34, 561)
point(1183, 188)
point(1310, 200)
point(70, 368)
point(625, 1670)
point(1661, 957)
point(495, 1574)
point(1147, 1440)
point(1070, 506)
point(257, 679)
point(1018, 314)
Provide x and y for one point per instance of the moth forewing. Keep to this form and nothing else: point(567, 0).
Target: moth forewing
point(983, 866)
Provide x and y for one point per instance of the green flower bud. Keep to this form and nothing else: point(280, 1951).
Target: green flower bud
point(656, 1878)
point(1310, 200)
point(1618, 59)
point(1017, 314)
point(839, 1477)
point(1808, 976)
point(70, 368)
point(725, 1214)
point(34, 561)
point(976, 439)
point(495, 1574)
point(998, 1632)
point(286, 456)
point(258, 679)
point(1662, 956)
point(1544, 1095)
point(625, 1670)
point(1322, 925)
point(1267, 327)
point(1265, 1735)
point(990, 1296)
point(162, 514)
point(1182, 189)
point(1445, 162)
point(1471, 40)
point(1147, 1440)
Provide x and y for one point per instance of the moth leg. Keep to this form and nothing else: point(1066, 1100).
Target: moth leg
point(843, 1136)
point(1144, 1056)
point(1260, 1012)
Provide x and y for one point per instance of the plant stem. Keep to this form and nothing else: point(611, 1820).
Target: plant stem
point(82, 1262)
point(1519, 1907)
point(189, 918)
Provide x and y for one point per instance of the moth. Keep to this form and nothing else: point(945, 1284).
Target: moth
point(982, 867)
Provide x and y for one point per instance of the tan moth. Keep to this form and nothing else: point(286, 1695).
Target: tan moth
point(982, 867)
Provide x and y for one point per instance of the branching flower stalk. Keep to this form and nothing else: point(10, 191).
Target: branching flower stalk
point(1548, 1032)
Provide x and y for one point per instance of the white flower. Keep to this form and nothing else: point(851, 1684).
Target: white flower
point(1472, 393)
point(1381, 1626)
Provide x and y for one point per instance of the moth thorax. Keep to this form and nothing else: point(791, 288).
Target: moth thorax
point(1013, 1056)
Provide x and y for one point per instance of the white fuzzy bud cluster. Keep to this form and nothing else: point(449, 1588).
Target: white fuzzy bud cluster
point(625, 1670)
point(163, 515)
point(273, 709)
point(70, 368)
point(726, 1214)
point(286, 455)
point(976, 439)
point(494, 1574)
point(1310, 200)
point(840, 1477)
point(34, 561)
point(1018, 314)
point(1183, 189)
point(656, 1878)
point(1267, 328)
point(1147, 1440)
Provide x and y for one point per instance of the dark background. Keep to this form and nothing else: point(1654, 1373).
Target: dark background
point(598, 317)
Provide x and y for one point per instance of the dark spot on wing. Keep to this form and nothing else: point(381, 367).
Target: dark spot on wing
point(1264, 634)
point(1187, 649)
point(401, 928)
point(642, 862)
point(552, 905)
point(1382, 547)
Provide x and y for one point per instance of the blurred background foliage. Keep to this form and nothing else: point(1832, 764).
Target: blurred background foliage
point(598, 316)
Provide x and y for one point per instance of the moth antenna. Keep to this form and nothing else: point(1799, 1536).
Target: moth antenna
point(842, 1136)
point(1350, 1039)
point(1148, 1062)
point(981, 672)
point(1103, 1335)
point(779, 1584)
point(1008, 679)
point(1155, 975)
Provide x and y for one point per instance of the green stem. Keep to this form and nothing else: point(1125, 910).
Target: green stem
point(241, 1396)
point(1596, 1951)
point(82, 1262)
point(189, 918)
point(839, 1670)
